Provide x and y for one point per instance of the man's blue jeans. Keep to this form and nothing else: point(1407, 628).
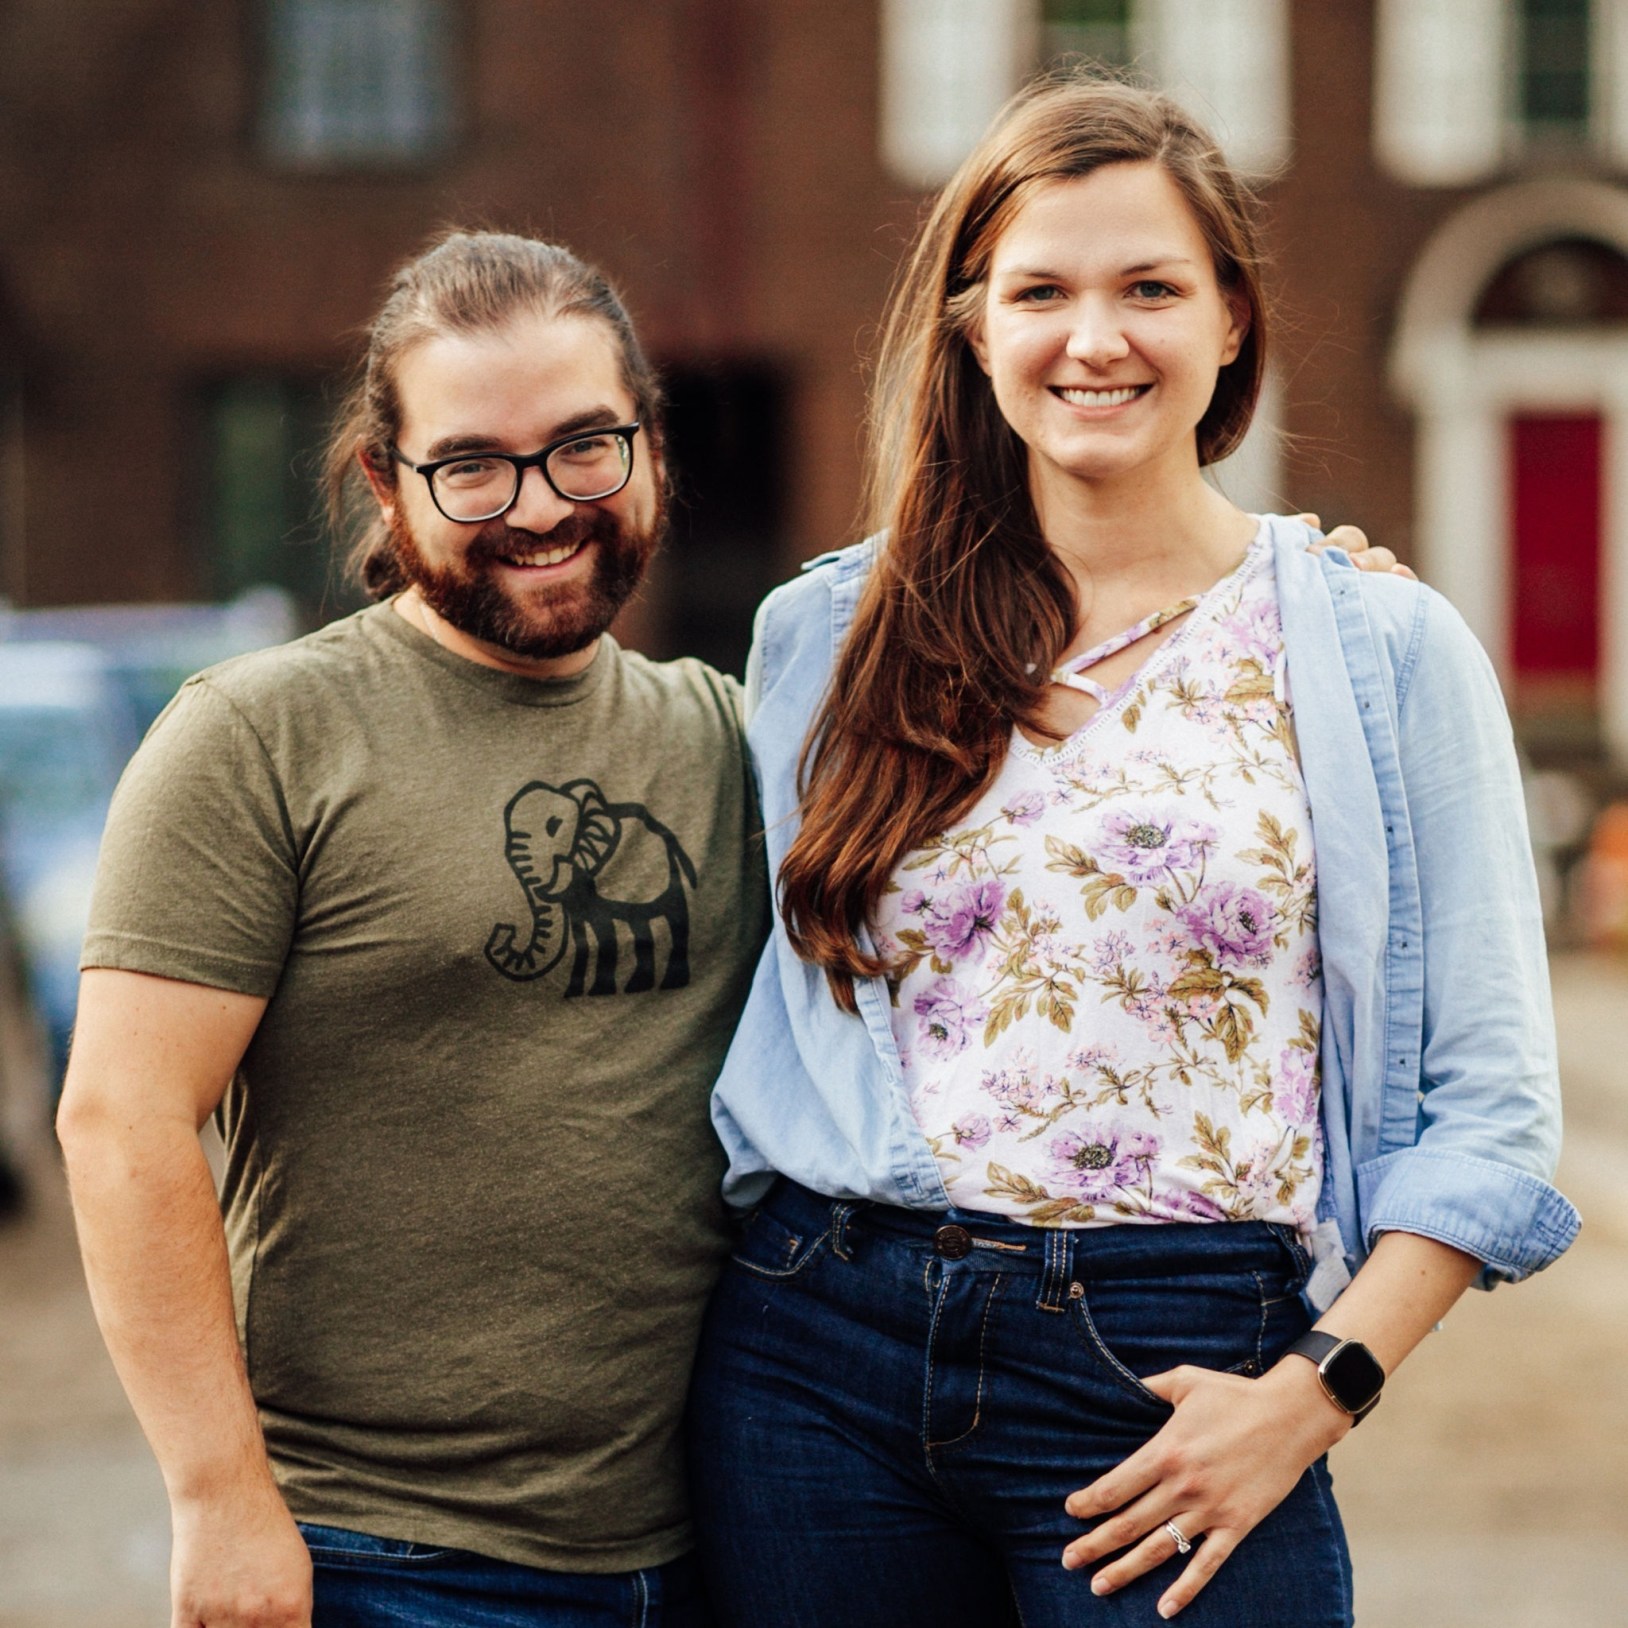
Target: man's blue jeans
point(883, 1434)
point(368, 1582)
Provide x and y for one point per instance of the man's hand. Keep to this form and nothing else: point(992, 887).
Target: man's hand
point(239, 1562)
point(1355, 543)
point(1227, 1457)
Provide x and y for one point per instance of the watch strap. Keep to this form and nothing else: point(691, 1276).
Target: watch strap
point(1317, 1347)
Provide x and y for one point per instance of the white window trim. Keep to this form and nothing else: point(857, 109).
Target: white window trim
point(1464, 385)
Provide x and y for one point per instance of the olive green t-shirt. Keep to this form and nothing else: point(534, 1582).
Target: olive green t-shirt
point(506, 927)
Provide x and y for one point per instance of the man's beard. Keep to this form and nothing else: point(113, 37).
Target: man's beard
point(548, 621)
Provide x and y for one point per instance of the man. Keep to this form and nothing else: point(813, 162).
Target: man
point(449, 910)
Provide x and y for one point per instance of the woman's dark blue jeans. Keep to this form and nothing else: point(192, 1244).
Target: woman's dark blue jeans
point(885, 1421)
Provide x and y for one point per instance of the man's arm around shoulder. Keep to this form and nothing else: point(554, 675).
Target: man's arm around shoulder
point(151, 1060)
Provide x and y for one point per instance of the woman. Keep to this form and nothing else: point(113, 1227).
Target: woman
point(1159, 946)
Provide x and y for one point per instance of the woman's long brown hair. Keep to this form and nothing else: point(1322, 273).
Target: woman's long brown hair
point(967, 608)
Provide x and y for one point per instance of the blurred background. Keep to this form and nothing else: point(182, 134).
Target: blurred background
point(200, 201)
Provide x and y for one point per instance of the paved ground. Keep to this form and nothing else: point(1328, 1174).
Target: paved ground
point(1490, 1489)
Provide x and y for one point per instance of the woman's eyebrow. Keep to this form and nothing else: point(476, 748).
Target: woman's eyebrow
point(1168, 262)
point(1044, 274)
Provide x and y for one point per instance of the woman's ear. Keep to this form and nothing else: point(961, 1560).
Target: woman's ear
point(1238, 328)
point(976, 344)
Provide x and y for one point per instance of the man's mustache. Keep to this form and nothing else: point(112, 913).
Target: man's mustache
point(497, 540)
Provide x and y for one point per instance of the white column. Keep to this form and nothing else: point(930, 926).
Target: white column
point(1609, 75)
point(1439, 89)
point(1461, 522)
point(947, 68)
point(1227, 61)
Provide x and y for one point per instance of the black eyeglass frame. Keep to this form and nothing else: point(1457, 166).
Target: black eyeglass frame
point(521, 462)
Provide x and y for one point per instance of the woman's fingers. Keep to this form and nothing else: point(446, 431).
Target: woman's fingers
point(1155, 1549)
point(1208, 1558)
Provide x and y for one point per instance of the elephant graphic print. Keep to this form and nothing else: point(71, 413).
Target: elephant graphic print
point(560, 841)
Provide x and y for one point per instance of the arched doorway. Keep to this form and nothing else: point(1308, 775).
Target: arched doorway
point(1513, 351)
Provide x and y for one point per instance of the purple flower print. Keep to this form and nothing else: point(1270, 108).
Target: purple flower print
point(1256, 1177)
point(1087, 1059)
point(1016, 1084)
point(1161, 1026)
point(959, 925)
point(913, 903)
point(1096, 1162)
point(1108, 952)
point(1255, 631)
point(1025, 808)
point(1296, 1094)
point(1194, 1207)
point(1147, 844)
point(1235, 924)
point(971, 1131)
point(946, 1012)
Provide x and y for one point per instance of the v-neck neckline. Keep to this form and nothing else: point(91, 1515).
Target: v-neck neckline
point(1203, 608)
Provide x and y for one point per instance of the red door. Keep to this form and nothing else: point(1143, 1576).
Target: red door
point(1556, 512)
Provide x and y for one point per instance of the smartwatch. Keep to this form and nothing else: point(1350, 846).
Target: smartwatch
point(1350, 1373)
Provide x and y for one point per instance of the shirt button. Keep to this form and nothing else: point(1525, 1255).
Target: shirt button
point(952, 1243)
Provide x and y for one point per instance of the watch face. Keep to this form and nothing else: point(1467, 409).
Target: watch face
point(1353, 1376)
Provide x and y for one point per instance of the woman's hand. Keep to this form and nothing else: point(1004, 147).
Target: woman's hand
point(1355, 542)
point(1229, 1455)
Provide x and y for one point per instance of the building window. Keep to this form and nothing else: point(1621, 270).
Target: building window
point(1552, 53)
point(259, 507)
point(947, 67)
point(1099, 29)
point(357, 83)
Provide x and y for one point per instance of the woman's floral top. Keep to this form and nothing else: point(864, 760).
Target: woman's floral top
point(1108, 994)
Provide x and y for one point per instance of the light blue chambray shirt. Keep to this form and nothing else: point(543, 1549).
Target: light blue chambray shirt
point(1441, 1100)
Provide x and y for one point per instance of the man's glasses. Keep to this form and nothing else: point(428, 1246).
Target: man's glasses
point(581, 468)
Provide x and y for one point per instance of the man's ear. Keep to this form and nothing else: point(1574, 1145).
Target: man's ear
point(381, 482)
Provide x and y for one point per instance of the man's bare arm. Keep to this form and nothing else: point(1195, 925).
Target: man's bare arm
point(151, 1060)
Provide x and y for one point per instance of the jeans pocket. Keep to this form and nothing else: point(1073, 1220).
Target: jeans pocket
point(339, 1546)
point(1140, 1327)
point(771, 1249)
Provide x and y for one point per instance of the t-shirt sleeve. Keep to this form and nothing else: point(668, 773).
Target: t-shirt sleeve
point(198, 877)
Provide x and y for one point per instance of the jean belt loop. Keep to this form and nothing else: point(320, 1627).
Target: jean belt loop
point(1054, 1279)
point(841, 1214)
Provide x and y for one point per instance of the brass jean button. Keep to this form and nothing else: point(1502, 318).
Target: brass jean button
point(952, 1243)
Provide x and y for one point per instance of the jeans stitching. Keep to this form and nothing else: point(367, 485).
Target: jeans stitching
point(641, 1601)
point(983, 1345)
point(932, 1346)
point(1260, 1328)
point(780, 1274)
point(1116, 1368)
point(360, 1559)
